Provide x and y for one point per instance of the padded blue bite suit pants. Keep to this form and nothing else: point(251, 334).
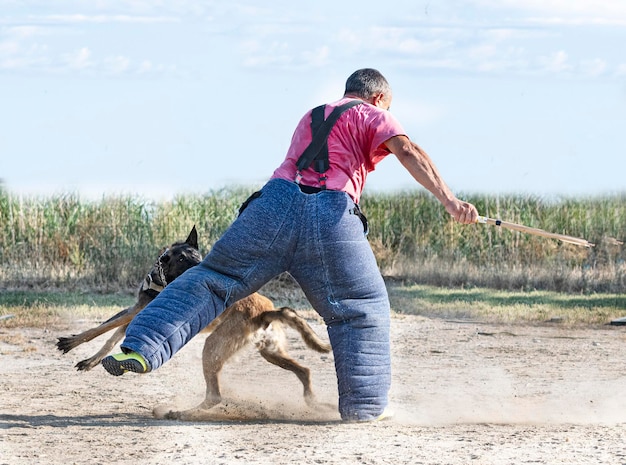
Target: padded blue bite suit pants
point(319, 240)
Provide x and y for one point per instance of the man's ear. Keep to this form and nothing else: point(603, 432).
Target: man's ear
point(380, 100)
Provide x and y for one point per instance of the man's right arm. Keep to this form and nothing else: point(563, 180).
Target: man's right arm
point(421, 167)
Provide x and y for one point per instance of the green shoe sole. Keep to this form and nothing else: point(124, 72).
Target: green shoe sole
point(119, 364)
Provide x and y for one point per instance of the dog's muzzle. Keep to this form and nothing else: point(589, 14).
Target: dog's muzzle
point(148, 283)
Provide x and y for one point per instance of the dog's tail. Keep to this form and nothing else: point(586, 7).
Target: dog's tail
point(289, 317)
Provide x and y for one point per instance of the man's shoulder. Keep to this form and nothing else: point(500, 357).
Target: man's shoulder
point(344, 100)
point(365, 110)
point(366, 115)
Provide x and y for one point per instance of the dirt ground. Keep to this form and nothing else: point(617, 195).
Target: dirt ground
point(463, 392)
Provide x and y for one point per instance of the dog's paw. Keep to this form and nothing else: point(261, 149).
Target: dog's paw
point(168, 412)
point(163, 412)
point(65, 344)
point(86, 365)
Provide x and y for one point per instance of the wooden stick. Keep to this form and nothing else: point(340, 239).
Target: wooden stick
point(535, 231)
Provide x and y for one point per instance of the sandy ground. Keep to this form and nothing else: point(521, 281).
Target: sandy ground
point(463, 392)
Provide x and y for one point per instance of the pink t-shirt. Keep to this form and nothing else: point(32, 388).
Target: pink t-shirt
point(355, 146)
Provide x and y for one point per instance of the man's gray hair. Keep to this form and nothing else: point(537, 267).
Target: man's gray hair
point(366, 83)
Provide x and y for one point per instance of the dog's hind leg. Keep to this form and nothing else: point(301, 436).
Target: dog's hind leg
point(277, 355)
point(272, 347)
point(88, 364)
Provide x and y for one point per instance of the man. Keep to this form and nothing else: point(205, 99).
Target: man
point(306, 221)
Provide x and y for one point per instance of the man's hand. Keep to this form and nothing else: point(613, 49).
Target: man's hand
point(463, 212)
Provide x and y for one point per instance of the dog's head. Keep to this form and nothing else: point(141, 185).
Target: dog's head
point(172, 262)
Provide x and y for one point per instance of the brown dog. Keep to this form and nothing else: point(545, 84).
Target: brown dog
point(253, 319)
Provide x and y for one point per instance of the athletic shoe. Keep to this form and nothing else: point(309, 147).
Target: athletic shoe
point(386, 415)
point(119, 364)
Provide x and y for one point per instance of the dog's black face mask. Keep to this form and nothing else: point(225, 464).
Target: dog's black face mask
point(175, 260)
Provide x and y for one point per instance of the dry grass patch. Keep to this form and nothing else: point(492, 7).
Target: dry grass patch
point(55, 309)
point(506, 306)
point(60, 309)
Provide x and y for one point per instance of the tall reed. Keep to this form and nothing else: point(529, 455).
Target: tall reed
point(108, 244)
point(415, 238)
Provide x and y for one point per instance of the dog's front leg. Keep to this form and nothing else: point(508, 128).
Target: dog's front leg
point(65, 344)
point(201, 412)
point(88, 364)
point(228, 337)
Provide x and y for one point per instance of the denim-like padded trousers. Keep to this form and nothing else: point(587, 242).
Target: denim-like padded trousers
point(319, 240)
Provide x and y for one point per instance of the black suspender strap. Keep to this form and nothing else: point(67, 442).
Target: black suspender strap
point(317, 150)
point(320, 162)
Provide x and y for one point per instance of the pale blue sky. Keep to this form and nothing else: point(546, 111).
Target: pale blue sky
point(165, 97)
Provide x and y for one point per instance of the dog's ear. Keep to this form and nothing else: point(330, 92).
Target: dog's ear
point(192, 239)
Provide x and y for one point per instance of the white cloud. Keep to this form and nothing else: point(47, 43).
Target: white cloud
point(621, 70)
point(455, 48)
point(577, 21)
point(117, 65)
point(9, 47)
point(520, 50)
point(565, 12)
point(78, 59)
point(145, 67)
point(397, 42)
point(610, 8)
point(51, 49)
point(593, 68)
point(26, 31)
point(317, 57)
point(556, 62)
point(250, 46)
point(274, 54)
point(16, 41)
point(405, 40)
point(524, 37)
point(82, 18)
point(282, 53)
